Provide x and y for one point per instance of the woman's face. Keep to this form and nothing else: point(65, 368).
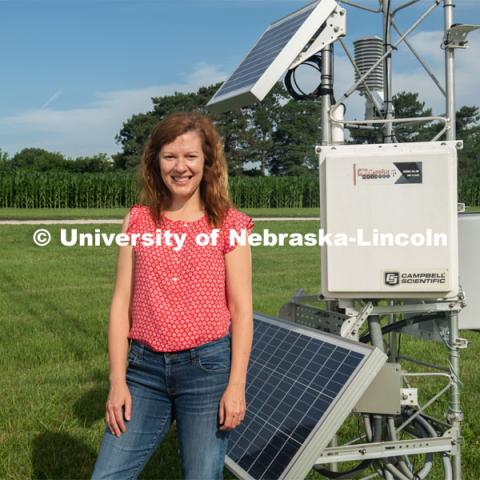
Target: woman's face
point(181, 165)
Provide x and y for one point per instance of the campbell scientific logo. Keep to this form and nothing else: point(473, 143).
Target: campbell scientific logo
point(392, 278)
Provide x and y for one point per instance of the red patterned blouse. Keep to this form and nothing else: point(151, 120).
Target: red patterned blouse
point(179, 292)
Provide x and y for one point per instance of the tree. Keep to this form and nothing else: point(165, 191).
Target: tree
point(468, 130)
point(405, 105)
point(135, 131)
point(266, 118)
point(38, 159)
point(5, 161)
point(96, 163)
point(294, 140)
point(133, 137)
point(237, 139)
point(467, 118)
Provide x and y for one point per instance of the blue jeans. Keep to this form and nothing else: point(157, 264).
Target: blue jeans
point(184, 386)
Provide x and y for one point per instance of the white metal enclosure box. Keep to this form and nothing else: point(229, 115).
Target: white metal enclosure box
point(469, 267)
point(389, 219)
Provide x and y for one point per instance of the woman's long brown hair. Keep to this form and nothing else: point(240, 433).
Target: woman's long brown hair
point(214, 183)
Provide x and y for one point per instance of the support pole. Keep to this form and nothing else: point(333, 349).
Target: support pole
point(454, 409)
point(387, 72)
point(326, 86)
point(450, 73)
point(326, 82)
point(455, 415)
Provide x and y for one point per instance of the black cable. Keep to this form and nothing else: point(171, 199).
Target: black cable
point(315, 61)
point(363, 465)
point(391, 327)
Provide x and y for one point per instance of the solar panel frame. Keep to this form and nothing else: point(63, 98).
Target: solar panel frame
point(226, 99)
point(333, 417)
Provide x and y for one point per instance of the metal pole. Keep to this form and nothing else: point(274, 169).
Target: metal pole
point(455, 415)
point(326, 84)
point(449, 72)
point(387, 72)
point(454, 409)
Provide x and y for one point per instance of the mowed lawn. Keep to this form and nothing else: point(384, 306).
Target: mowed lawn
point(118, 213)
point(54, 305)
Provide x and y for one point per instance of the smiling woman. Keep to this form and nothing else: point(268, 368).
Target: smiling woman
point(181, 164)
point(187, 312)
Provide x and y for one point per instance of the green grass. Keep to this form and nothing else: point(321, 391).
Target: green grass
point(54, 305)
point(88, 213)
point(118, 213)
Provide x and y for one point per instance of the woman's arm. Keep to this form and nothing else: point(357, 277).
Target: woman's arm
point(119, 321)
point(118, 328)
point(238, 264)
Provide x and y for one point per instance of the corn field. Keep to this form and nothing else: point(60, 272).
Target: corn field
point(22, 189)
point(275, 192)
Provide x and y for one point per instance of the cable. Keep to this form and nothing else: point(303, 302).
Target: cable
point(343, 475)
point(376, 436)
point(315, 61)
point(391, 327)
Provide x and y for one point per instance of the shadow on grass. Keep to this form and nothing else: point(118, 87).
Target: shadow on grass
point(61, 456)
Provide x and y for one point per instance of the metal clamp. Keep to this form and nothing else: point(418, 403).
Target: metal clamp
point(351, 327)
point(456, 36)
point(335, 27)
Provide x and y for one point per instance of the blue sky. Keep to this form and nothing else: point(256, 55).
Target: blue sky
point(74, 71)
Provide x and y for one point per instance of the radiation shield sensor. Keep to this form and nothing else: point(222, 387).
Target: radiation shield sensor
point(280, 46)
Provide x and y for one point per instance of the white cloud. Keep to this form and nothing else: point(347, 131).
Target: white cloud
point(91, 129)
point(414, 78)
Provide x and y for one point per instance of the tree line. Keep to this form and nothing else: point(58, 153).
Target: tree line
point(275, 137)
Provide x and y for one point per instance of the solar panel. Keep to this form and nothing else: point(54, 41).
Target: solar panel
point(271, 56)
point(301, 385)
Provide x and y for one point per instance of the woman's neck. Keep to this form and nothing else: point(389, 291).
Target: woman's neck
point(190, 208)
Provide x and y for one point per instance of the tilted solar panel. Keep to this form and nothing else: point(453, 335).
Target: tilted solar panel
point(265, 50)
point(271, 56)
point(301, 385)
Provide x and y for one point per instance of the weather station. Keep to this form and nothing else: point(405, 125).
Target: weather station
point(334, 356)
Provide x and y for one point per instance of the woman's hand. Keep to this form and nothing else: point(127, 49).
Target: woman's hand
point(232, 407)
point(118, 396)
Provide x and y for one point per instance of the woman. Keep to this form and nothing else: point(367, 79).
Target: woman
point(185, 305)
